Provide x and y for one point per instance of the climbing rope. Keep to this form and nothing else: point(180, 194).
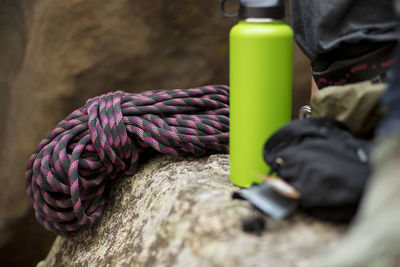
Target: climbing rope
point(69, 171)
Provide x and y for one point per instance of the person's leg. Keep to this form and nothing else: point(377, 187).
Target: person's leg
point(374, 237)
point(391, 100)
point(346, 40)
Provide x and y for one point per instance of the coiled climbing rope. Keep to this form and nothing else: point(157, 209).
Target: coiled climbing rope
point(69, 171)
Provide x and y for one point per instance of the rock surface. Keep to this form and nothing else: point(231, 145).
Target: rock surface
point(57, 54)
point(179, 212)
point(374, 237)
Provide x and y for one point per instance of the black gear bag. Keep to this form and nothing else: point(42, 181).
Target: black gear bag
point(322, 160)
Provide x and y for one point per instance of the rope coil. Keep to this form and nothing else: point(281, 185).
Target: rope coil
point(69, 171)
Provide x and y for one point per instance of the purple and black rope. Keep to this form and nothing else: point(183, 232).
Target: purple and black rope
point(69, 171)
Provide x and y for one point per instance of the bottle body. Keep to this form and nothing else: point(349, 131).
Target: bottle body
point(260, 70)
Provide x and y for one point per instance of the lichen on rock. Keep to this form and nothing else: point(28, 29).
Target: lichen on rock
point(179, 212)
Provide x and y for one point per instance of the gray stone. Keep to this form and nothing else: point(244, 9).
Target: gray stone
point(374, 238)
point(179, 212)
point(56, 55)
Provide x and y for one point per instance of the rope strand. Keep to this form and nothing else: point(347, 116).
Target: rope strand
point(69, 171)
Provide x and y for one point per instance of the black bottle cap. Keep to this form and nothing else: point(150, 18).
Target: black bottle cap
point(262, 9)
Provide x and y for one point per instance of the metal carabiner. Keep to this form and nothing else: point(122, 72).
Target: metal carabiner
point(305, 112)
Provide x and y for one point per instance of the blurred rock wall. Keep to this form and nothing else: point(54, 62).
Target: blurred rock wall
point(57, 54)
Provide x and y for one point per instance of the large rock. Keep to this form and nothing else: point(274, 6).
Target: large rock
point(57, 54)
point(179, 212)
point(374, 238)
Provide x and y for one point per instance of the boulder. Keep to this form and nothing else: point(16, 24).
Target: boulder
point(179, 212)
point(56, 55)
point(373, 238)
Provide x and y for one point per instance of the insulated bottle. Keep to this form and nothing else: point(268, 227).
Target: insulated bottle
point(260, 77)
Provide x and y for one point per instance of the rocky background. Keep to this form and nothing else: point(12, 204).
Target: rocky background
point(56, 54)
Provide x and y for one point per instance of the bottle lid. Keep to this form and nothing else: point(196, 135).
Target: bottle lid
point(262, 9)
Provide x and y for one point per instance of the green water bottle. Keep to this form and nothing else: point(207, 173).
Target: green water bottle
point(260, 70)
